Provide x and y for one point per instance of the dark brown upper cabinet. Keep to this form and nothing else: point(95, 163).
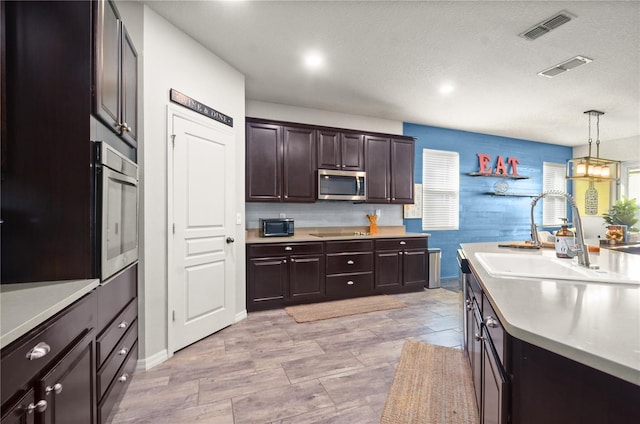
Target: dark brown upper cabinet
point(281, 163)
point(389, 166)
point(116, 74)
point(340, 150)
point(402, 162)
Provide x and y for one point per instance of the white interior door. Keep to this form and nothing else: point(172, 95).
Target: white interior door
point(201, 274)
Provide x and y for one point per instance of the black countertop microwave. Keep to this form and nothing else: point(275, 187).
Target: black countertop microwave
point(275, 227)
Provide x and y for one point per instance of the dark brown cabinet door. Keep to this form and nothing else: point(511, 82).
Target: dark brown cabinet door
point(402, 162)
point(69, 387)
point(116, 73)
point(415, 267)
point(129, 89)
point(388, 270)
point(342, 151)
point(329, 150)
point(264, 162)
point(352, 152)
point(299, 165)
point(267, 282)
point(107, 63)
point(306, 277)
point(378, 167)
point(493, 387)
point(20, 412)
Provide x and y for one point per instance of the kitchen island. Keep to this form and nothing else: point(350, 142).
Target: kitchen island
point(570, 350)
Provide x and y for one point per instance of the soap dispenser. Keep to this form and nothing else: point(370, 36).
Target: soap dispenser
point(565, 240)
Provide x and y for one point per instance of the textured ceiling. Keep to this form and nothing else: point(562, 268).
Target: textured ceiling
point(387, 59)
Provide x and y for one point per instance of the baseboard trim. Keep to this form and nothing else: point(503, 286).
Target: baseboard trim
point(145, 364)
point(241, 315)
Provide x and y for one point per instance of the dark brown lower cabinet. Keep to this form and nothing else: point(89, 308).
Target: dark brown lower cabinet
point(280, 274)
point(520, 383)
point(57, 384)
point(284, 273)
point(401, 264)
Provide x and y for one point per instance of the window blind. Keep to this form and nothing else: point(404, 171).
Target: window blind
point(553, 207)
point(440, 189)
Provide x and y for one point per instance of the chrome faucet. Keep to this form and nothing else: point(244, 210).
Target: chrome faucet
point(582, 251)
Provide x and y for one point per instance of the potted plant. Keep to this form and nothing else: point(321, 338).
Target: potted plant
point(621, 219)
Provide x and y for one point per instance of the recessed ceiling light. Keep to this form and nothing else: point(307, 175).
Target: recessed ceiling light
point(446, 88)
point(313, 60)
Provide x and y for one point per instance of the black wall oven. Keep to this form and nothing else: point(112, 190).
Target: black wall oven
point(117, 207)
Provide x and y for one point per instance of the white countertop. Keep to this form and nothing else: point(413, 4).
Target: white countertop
point(24, 306)
point(596, 324)
point(333, 233)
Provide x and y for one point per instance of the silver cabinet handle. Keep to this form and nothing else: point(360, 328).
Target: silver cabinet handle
point(349, 283)
point(491, 322)
point(123, 351)
point(38, 351)
point(349, 262)
point(284, 261)
point(123, 378)
point(469, 305)
point(57, 388)
point(400, 253)
point(40, 406)
point(292, 260)
point(123, 324)
point(288, 248)
point(478, 337)
point(403, 243)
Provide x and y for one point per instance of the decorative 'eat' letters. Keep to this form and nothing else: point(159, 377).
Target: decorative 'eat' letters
point(485, 168)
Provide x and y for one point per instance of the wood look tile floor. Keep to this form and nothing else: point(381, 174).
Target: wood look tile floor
point(270, 369)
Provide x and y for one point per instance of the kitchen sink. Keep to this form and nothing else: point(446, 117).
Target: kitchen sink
point(546, 267)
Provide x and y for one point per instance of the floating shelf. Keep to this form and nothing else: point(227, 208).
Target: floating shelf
point(493, 193)
point(512, 177)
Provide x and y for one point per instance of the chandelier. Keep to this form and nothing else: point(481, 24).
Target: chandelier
point(592, 168)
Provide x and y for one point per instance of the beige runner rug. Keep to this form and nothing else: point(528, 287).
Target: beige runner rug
point(341, 308)
point(432, 385)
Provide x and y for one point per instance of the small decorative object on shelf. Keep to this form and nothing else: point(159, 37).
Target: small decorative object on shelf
point(501, 187)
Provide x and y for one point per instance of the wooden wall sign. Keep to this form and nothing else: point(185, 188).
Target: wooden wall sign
point(486, 167)
point(196, 106)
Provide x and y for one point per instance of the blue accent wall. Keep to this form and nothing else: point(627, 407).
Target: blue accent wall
point(484, 218)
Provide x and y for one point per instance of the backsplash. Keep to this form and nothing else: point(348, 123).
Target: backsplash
point(323, 213)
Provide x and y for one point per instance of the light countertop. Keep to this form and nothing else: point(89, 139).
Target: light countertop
point(596, 324)
point(332, 233)
point(24, 306)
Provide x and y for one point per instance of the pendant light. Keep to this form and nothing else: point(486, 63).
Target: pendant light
point(593, 168)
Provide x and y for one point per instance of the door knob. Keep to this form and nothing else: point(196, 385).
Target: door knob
point(230, 240)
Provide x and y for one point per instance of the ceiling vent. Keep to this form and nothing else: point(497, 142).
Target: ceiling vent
point(565, 66)
point(547, 25)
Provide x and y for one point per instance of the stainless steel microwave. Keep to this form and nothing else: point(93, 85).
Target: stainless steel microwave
point(275, 227)
point(341, 185)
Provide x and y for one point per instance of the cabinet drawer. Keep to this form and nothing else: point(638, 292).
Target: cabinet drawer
point(494, 327)
point(340, 263)
point(55, 334)
point(401, 243)
point(116, 359)
point(350, 285)
point(349, 246)
point(120, 383)
point(114, 331)
point(114, 295)
point(280, 249)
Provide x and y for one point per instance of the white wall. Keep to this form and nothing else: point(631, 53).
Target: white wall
point(171, 59)
point(624, 149)
point(278, 112)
